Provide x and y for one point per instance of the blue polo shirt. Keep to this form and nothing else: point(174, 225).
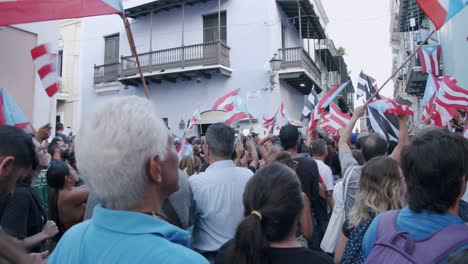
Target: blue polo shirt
point(113, 236)
point(419, 225)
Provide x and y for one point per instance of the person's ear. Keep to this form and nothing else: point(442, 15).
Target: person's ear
point(6, 164)
point(153, 170)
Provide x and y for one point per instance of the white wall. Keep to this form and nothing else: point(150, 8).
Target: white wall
point(454, 42)
point(47, 32)
point(254, 35)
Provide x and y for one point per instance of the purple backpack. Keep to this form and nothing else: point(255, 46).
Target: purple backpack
point(393, 246)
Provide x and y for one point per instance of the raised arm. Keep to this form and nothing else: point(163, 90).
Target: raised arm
point(403, 138)
point(348, 130)
point(261, 146)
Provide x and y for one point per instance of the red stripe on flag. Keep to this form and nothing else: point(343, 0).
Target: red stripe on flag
point(223, 98)
point(51, 90)
point(39, 51)
point(236, 117)
point(434, 11)
point(45, 70)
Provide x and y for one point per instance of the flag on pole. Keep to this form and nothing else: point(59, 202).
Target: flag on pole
point(184, 149)
point(237, 112)
point(366, 86)
point(267, 122)
point(46, 66)
point(427, 103)
point(382, 123)
point(284, 112)
point(441, 11)
point(309, 104)
point(324, 103)
point(335, 119)
point(10, 113)
point(429, 56)
point(25, 11)
point(449, 99)
point(226, 102)
point(195, 117)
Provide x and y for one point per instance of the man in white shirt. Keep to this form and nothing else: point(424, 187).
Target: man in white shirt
point(217, 192)
point(319, 154)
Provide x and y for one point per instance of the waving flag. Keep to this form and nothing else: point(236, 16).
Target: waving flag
point(10, 113)
point(309, 104)
point(46, 66)
point(226, 102)
point(449, 99)
point(237, 112)
point(284, 112)
point(184, 149)
point(427, 103)
point(335, 119)
point(267, 122)
point(25, 11)
point(324, 103)
point(382, 123)
point(429, 56)
point(441, 11)
point(366, 86)
point(195, 117)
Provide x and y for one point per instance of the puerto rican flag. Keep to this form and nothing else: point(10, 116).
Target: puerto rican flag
point(334, 120)
point(25, 11)
point(441, 11)
point(195, 117)
point(429, 56)
point(184, 149)
point(449, 99)
point(267, 122)
point(10, 113)
point(46, 66)
point(226, 102)
point(324, 103)
point(237, 113)
point(427, 103)
point(284, 113)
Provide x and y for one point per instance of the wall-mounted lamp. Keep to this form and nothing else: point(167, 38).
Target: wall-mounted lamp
point(275, 66)
point(182, 124)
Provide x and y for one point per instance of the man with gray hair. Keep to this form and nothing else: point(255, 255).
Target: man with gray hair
point(319, 152)
point(217, 192)
point(133, 169)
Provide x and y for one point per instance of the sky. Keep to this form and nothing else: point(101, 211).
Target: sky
point(362, 27)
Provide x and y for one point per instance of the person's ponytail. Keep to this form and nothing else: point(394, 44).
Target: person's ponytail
point(250, 243)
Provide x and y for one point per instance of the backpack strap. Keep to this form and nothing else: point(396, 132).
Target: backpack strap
point(444, 242)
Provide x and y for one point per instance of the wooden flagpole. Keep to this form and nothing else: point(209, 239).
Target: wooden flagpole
point(131, 42)
point(401, 67)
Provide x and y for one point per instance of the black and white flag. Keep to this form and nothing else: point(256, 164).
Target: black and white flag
point(309, 104)
point(366, 86)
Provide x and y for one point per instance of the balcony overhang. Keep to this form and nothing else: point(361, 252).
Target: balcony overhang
point(300, 80)
point(136, 8)
point(409, 9)
point(327, 58)
point(174, 75)
point(308, 17)
point(416, 81)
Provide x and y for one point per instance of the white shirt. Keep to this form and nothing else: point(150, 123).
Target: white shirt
point(217, 194)
point(326, 174)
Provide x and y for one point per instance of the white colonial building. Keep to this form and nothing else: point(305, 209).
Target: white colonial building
point(194, 51)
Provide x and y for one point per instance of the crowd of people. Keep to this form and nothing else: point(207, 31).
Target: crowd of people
point(120, 193)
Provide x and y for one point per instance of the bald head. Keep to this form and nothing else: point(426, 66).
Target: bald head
point(374, 145)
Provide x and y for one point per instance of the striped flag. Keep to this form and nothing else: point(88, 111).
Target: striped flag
point(226, 102)
point(237, 112)
point(309, 104)
point(366, 86)
point(382, 123)
point(334, 120)
point(195, 117)
point(324, 103)
point(427, 103)
point(10, 113)
point(184, 149)
point(429, 56)
point(46, 66)
point(284, 112)
point(441, 11)
point(267, 122)
point(449, 99)
point(25, 11)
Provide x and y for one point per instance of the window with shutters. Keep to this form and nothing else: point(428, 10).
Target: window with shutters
point(210, 27)
point(111, 49)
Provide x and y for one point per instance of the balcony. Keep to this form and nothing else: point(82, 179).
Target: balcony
point(416, 79)
point(299, 70)
point(106, 73)
point(136, 8)
point(410, 9)
point(310, 21)
point(327, 52)
point(202, 60)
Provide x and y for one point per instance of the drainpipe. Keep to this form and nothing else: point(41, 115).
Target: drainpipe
point(300, 22)
point(183, 36)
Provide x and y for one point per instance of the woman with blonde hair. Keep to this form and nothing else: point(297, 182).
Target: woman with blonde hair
point(380, 189)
